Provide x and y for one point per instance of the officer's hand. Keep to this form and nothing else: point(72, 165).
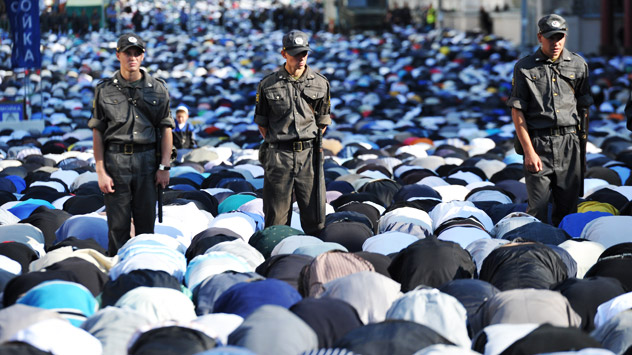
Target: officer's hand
point(162, 178)
point(533, 163)
point(106, 184)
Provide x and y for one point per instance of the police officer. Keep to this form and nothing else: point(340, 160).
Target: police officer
point(549, 98)
point(183, 134)
point(292, 104)
point(130, 110)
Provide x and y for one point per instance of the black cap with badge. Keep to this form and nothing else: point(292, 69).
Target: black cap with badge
point(295, 42)
point(552, 24)
point(129, 40)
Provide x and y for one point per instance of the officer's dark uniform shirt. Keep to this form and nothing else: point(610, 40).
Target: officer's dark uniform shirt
point(135, 122)
point(291, 108)
point(549, 93)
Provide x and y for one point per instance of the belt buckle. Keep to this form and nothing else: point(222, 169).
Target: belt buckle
point(297, 146)
point(128, 149)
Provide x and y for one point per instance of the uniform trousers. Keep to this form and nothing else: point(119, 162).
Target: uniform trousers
point(287, 172)
point(134, 195)
point(559, 178)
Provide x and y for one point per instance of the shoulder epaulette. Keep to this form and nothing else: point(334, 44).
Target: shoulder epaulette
point(577, 55)
point(161, 81)
point(270, 73)
point(321, 75)
point(104, 81)
point(267, 76)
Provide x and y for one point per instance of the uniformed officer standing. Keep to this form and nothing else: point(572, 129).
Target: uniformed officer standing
point(128, 111)
point(292, 104)
point(549, 98)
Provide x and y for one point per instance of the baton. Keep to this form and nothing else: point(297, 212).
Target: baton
point(583, 141)
point(159, 187)
point(318, 163)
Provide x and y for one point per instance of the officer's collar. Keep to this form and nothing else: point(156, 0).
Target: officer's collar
point(307, 75)
point(540, 57)
point(119, 80)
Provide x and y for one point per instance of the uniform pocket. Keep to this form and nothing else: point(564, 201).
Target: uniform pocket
point(568, 74)
point(278, 101)
point(153, 105)
point(153, 99)
point(569, 77)
point(263, 149)
point(115, 106)
point(538, 78)
point(314, 92)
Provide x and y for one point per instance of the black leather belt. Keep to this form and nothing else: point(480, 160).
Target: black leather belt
point(553, 131)
point(129, 148)
point(295, 146)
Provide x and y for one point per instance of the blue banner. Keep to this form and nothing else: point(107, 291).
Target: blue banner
point(11, 111)
point(25, 33)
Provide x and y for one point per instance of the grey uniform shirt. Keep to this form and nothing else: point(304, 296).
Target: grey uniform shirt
point(549, 93)
point(127, 112)
point(292, 108)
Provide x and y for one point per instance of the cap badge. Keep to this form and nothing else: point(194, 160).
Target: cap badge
point(132, 39)
point(555, 23)
point(298, 41)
